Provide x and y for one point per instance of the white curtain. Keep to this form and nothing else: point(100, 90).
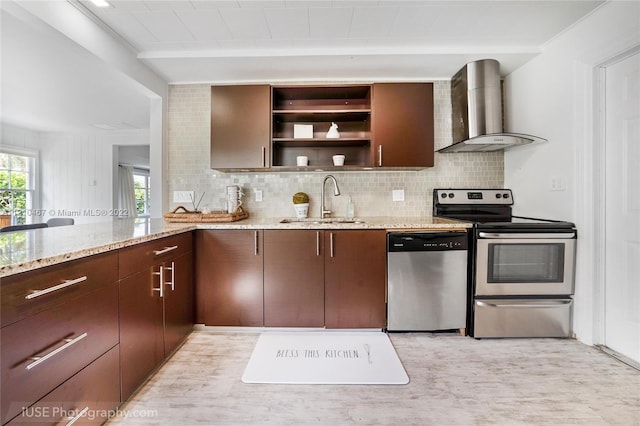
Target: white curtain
point(127, 195)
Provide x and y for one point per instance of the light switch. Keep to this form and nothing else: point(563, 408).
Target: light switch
point(258, 195)
point(397, 194)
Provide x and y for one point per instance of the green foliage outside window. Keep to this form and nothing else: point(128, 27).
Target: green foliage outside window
point(143, 193)
point(14, 186)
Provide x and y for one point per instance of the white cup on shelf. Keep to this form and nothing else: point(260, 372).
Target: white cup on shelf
point(302, 160)
point(338, 160)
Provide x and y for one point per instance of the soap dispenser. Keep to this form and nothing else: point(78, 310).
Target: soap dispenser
point(350, 209)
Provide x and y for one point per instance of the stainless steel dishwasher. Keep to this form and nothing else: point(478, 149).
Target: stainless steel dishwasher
point(426, 281)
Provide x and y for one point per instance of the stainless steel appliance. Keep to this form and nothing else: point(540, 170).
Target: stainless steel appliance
point(427, 281)
point(522, 271)
point(476, 106)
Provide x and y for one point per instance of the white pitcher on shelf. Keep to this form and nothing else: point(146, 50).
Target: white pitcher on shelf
point(333, 131)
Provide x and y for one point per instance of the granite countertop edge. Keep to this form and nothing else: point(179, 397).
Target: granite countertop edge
point(29, 250)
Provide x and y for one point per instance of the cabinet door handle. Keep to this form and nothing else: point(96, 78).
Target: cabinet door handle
point(160, 282)
point(68, 343)
point(73, 419)
point(317, 243)
point(380, 155)
point(331, 244)
point(255, 251)
point(264, 156)
point(66, 283)
point(164, 250)
point(172, 283)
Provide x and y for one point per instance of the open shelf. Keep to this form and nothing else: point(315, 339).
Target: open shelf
point(349, 106)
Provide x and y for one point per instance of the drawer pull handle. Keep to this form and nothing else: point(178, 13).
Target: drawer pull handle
point(160, 282)
point(164, 250)
point(77, 417)
point(172, 283)
point(67, 283)
point(40, 359)
point(331, 244)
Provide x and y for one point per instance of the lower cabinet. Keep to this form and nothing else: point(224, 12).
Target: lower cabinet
point(60, 322)
point(355, 279)
point(178, 302)
point(229, 271)
point(293, 278)
point(156, 306)
point(87, 398)
point(141, 329)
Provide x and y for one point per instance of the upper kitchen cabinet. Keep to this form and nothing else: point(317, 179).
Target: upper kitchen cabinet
point(240, 127)
point(257, 127)
point(302, 116)
point(402, 124)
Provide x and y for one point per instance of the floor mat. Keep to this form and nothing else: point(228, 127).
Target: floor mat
point(319, 357)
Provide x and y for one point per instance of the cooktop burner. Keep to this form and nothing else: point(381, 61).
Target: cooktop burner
point(487, 208)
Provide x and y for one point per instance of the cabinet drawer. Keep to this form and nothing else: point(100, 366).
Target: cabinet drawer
point(141, 256)
point(89, 396)
point(66, 339)
point(32, 292)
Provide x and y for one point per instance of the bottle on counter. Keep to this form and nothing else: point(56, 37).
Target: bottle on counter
point(351, 209)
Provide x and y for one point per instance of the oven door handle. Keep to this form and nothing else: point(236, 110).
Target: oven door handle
point(530, 304)
point(528, 236)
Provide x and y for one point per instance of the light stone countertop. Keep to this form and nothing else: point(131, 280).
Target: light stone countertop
point(23, 251)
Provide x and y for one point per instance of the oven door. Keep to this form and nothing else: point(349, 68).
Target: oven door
point(515, 264)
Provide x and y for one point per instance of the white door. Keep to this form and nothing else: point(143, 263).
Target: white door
point(622, 287)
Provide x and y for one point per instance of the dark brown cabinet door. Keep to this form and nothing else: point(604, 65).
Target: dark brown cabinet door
point(293, 278)
point(141, 328)
point(240, 126)
point(355, 275)
point(402, 123)
point(229, 272)
point(178, 301)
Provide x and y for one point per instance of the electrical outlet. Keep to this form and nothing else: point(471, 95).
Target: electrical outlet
point(183, 196)
point(258, 195)
point(397, 194)
point(558, 183)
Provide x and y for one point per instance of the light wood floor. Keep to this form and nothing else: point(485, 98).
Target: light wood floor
point(455, 380)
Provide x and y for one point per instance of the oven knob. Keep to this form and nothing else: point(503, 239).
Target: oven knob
point(451, 195)
point(505, 195)
point(443, 195)
point(498, 196)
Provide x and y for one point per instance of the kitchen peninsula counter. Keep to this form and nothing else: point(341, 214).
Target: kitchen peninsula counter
point(23, 251)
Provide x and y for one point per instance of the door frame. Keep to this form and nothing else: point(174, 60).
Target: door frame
point(598, 195)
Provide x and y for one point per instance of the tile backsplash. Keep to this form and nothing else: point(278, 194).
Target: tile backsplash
point(371, 191)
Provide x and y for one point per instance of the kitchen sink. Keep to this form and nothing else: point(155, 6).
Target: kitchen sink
point(317, 220)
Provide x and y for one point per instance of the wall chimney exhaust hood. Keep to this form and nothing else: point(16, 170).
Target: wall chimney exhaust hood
point(476, 98)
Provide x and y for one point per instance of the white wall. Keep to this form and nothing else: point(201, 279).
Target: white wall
point(553, 96)
point(69, 20)
point(77, 171)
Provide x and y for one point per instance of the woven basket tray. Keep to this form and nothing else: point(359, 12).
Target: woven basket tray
point(186, 216)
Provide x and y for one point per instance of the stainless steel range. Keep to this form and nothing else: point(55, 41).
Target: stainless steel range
point(522, 269)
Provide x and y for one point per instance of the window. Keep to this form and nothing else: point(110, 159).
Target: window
point(142, 190)
point(17, 186)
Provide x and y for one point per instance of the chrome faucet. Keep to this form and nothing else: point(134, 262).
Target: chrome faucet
point(336, 191)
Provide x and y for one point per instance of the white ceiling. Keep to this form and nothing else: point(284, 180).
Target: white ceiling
point(49, 83)
point(284, 40)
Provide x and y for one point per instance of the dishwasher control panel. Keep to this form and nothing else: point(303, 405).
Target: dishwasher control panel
point(427, 241)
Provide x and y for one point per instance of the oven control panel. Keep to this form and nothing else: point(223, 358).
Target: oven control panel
point(501, 197)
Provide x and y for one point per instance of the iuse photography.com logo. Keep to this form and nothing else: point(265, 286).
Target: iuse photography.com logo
point(47, 414)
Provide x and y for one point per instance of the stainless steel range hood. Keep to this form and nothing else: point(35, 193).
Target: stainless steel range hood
point(476, 98)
